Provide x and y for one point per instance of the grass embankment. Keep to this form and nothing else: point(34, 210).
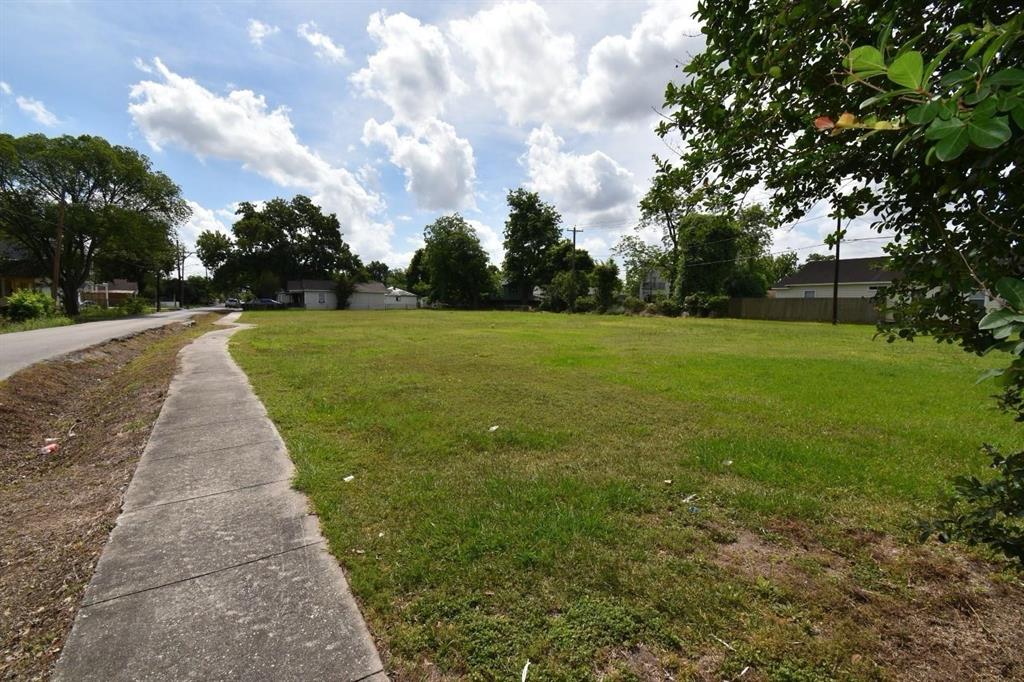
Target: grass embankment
point(58, 508)
point(683, 497)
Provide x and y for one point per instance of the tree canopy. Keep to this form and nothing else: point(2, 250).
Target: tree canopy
point(72, 200)
point(453, 262)
point(531, 231)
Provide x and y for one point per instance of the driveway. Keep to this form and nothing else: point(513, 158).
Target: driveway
point(21, 349)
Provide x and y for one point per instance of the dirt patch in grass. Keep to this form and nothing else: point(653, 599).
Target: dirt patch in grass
point(913, 612)
point(58, 508)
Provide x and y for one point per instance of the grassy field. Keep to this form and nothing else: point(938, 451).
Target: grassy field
point(677, 497)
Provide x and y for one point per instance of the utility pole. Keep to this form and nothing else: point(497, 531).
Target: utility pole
point(58, 248)
point(574, 230)
point(835, 281)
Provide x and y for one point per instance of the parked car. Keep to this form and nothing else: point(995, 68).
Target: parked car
point(263, 304)
point(232, 303)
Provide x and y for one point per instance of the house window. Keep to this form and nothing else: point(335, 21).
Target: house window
point(322, 298)
point(809, 293)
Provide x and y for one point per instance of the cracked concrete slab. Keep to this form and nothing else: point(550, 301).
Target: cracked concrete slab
point(216, 569)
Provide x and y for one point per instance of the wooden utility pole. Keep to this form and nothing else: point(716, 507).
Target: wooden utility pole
point(835, 281)
point(572, 303)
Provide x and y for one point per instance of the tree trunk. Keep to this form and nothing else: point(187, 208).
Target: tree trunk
point(58, 249)
point(70, 291)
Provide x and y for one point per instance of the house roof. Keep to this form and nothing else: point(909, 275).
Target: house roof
point(395, 291)
point(371, 288)
point(311, 285)
point(850, 270)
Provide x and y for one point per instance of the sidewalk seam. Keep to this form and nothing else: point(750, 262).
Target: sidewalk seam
point(204, 452)
point(132, 510)
point(201, 575)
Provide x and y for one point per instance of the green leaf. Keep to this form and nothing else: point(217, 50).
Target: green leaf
point(947, 109)
point(999, 318)
point(977, 96)
point(952, 145)
point(923, 113)
point(1012, 291)
point(941, 128)
point(1009, 77)
point(1018, 115)
point(988, 133)
point(865, 58)
point(988, 374)
point(907, 70)
point(954, 77)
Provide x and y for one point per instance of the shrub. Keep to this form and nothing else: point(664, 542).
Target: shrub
point(27, 304)
point(706, 305)
point(987, 512)
point(668, 308)
point(586, 304)
point(633, 305)
point(133, 305)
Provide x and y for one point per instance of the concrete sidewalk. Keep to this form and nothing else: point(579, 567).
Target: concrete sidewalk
point(216, 569)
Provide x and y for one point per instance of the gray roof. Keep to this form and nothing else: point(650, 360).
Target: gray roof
point(371, 288)
point(311, 285)
point(395, 291)
point(850, 270)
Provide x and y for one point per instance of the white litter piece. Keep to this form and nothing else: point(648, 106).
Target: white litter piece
point(667, 481)
point(493, 428)
point(380, 534)
point(49, 448)
point(690, 498)
point(525, 669)
point(727, 462)
point(349, 478)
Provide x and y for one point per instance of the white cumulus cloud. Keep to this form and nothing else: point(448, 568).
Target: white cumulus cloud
point(531, 72)
point(258, 31)
point(411, 71)
point(323, 46)
point(519, 61)
point(37, 110)
point(585, 184)
point(5, 88)
point(438, 164)
point(241, 127)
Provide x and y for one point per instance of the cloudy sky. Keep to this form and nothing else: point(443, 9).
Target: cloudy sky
point(388, 115)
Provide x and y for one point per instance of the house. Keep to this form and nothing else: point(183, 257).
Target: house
point(858, 278)
point(378, 296)
point(652, 285)
point(312, 294)
point(108, 294)
point(18, 271)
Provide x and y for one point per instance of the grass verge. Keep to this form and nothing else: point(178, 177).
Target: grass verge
point(58, 509)
point(660, 498)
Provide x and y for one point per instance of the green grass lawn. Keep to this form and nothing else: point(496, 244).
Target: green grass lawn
point(661, 495)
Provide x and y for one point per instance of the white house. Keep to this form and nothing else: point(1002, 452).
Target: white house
point(312, 294)
point(653, 284)
point(858, 278)
point(377, 296)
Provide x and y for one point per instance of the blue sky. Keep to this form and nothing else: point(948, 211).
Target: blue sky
point(389, 115)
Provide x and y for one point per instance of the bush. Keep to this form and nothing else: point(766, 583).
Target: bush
point(586, 304)
point(668, 308)
point(27, 304)
point(633, 305)
point(989, 512)
point(133, 305)
point(706, 305)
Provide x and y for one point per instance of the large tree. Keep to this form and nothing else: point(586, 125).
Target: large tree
point(454, 262)
point(531, 231)
point(377, 271)
point(745, 118)
point(67, 200)
point(278, 241)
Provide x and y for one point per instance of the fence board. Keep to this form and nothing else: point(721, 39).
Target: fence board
point(851, 310)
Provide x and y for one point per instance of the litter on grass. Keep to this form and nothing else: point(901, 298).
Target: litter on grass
point(493, 428)
point(668, 481)
point(525, 669)
point(349, 478)
point(49, 448)
point(727, 462)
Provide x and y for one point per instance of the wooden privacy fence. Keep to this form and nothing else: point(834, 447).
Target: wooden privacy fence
point(855, 310)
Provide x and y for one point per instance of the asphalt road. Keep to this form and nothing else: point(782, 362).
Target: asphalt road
point(21, 349)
